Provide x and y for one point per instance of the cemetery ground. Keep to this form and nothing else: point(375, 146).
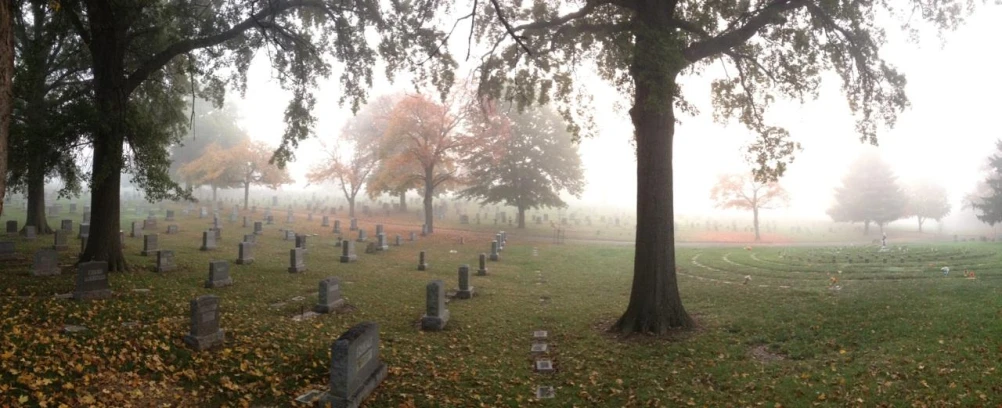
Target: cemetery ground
point(890, 329)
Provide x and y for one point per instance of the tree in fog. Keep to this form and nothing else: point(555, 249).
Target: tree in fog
point(349, 170)
point(744, 192)
point(987, 199)
point(520, 159)
point(869, 194)
point(927, 201)
point(240, 166)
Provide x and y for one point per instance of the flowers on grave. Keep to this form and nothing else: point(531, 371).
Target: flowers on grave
point(946, 270)
point(747, 279)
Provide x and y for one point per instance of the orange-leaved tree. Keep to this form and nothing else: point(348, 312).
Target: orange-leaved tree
point(252, 160)
point(348, 170)
point(211, 169)
point(422, 142)
point(742, 191)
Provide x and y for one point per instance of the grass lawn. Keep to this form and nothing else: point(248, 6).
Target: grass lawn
point(897, 332)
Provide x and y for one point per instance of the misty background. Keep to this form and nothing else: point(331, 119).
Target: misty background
point(944, 137)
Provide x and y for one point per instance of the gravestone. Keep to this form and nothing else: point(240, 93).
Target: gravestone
point(325, 222)
point(494, 251)
point(61, 241)
point(413, 236)
point(436, 315)
point(165, 261)
point(337, 226)
point(84, 230)
point(348, 251)
point(379, 229)
point(258, 228)
point(250, 238)
point(246, 222)
point(202, 213)
point(73, 208)
point(170, 216)
point(219, 275)
point(172, 229)
point(270, 220)
point(424, 230)
point(330, 295)
point(205, 332)
point(150, 244)
point(301, 242)
point(464, 219)
point(11, 227)
point(208, 241)
point(245, 253)
point(46, 263)
point(66, 225)
point(482, 267)
point(7, 250)
point(465, 290)
point(354, 225)
point(289, 235)
point(422, 265)
point(92, 281)
point(30, 233)
point(297, 260)
point(355, 367)
point(381, 242)
point(361, 236)
point(136, 230)
point(397, 240)
point(150, 224)
point(86, 217)
point(497, 238)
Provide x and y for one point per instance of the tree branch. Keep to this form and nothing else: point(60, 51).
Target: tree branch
point(733, 38)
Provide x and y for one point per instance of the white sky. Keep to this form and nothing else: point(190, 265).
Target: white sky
point(945, 136)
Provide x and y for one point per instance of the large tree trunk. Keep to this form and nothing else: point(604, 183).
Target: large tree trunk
point(655, 305)
point(246, 194)
point(214, 188)
point(351, 207)
point(521, 216)
point(403, 201)
point(429, 190)
point(755, 221)
point(866, 227)
point(36, 198)
point(920, 221)
point(6, 88)
point(111, 99)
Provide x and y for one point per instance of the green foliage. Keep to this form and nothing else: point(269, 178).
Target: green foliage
point(208, 125)
point(988, 201)
point(521, 159)
point(927, 201)
point(869, 193)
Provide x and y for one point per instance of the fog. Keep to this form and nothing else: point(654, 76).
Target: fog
point(944, 137)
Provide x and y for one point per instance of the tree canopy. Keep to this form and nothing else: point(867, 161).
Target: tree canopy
point(524, 160)
point(987, 201)
point(349, 170)
point(869, 194)
point(927, 200)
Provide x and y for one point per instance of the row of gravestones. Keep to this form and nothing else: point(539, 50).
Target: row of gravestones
point(436, 315)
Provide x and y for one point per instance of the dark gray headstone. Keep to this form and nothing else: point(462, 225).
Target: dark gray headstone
point(170, 216)
point(172, 229)
point(465, 290)
point(151, 244)
point(329, 295)
point(66, 225)
point(245, 253)
point(92, 281)
point(250, 238)
point(11, 227)
point(337, 226)
point(258, 228)
point(61, 240)
point(84, 230)
point(205, 332)
point(397, 240)
point(7, 250)
point(379, 229)
point(482, 266)
point(422, 265)
point(494, 252)
point(208, 241)
point(297, 260)
point(355, 367)
point(436, 315)
point(219, 275)
point(326, 221)
point(137, 230)
point(301, 242)
point(165, 261)
point(30, 233)
point(362, 237)
point(381, 242)
point(290, 235)
point(354, 225)
point(348, 251)
point(46, 263)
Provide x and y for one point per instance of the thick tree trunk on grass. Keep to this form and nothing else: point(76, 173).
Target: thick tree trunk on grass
point(6, 88)
point(655, 305)
point(521, 217)
point(403, 201)
point(246, 194)
point(429, 190)
point(36, 199)
point(755, 221)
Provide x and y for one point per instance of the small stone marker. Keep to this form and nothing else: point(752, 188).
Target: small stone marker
point(92, 281)
point(208, 241)
point(539, 335)
point(297, 261)
point(494, 252)
point(326, 221)
point(84, 230)
point(150, 244)
point(379, 229)
point(413, 236)
point(436, 315)
point(137, 231)
point(66, 225)
point(46, 262)
point(11, 227)
point(301, 242)
point(348, 251)
point(422, 265)
point(30, 233)
point(165, 260)
point(258, 228)
point(544, 366)
point(355, 367)
point(538, 348)
point(354, 225)
point(7, 250)
point(482, 266)
point(545, 392)
point(337, 226)
point(397, 241)
point(61, 240)
point(205, 332)
point(250, 238)
point(330, 295)
point(170, 216)
point(172, 229)
point(361, 236)
point(465, 290)
point(381, 242)
point(289, 235)
point(219, 275)
point(245, 253)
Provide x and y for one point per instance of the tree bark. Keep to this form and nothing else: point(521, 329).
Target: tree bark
point(655, 305)
point(214, 188)
point(866, 227)
point(36, 198)
point(920, 221)
point(521, 217)
point(6, 88)
point(755, 221)
point(403, 201)
point(246, 194)
point(429, 190)
point(351, 206)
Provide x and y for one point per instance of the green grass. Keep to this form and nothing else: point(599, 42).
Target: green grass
point(895, 334)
